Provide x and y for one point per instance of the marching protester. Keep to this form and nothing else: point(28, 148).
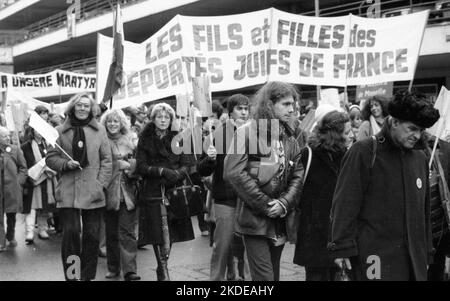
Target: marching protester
point(355, 119)
point(373, 113)
point(267, 177)
point(162, 170)
point(121, 211)
point(39, 189)
point(84, 178)
point(439, 214)
point(13, 170)
point(322, 159)
point(223, 193)
point(381, 206)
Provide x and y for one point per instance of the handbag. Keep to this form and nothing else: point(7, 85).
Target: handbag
point(186, 200)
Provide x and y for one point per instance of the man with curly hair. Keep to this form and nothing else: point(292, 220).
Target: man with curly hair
point(263, 166)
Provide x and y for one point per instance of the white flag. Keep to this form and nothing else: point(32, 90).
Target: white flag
point(331, 97)
point(49, 133)
point(441, 129)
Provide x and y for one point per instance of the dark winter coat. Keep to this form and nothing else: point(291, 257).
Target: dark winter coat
point(253, 178)
point(315, 206)
point(222, 191)
point(14, 172)
point(383, 211)
point(154, 153)
point(28, 186)
point(82, 189)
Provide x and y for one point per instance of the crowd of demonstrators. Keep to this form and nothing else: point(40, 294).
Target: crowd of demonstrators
point(322, 159)
point(373, 113)
point(349, 195)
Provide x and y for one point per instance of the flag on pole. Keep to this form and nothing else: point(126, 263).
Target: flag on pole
point(441, 129)
point(115, 74)
point(202, 95)
point(330, 96)
point(49, 133)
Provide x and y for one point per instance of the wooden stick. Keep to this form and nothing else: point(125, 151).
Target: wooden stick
point(65, 153)
point(417, 61)
point(433, 152)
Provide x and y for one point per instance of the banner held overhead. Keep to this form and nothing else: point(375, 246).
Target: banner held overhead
point(268, 45)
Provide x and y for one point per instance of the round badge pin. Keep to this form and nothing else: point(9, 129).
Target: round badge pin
point(419, 183)
point(80, 144)
point(8, 149)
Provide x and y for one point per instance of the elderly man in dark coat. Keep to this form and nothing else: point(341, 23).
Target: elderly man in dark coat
point(13, 174)
point(381, 205)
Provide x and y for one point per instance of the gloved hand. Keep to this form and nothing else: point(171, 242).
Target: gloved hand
point(171, 176)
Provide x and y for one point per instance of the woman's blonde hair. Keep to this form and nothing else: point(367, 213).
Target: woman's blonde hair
point(76, 98)
point(162, 107)
point(124, 123)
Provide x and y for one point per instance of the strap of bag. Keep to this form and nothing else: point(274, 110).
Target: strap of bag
point(308, 163)
point(164, 199)
point(189, 178)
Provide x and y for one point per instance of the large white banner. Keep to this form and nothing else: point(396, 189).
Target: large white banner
point(57, 82)
point(268, 45)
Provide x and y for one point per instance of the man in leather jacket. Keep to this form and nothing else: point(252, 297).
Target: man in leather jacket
point(263, 166)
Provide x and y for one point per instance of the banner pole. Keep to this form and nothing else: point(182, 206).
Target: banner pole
point(418, 54)
point(317, 14)
point(433, 152)
point(208, 78)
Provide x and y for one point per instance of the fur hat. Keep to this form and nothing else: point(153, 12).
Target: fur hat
point(413, 107)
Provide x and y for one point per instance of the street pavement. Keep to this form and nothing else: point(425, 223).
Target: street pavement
point(189, 261)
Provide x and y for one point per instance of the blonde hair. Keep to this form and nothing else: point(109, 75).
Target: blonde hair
point(162, 107)
point(124, 123)
point(76, 98)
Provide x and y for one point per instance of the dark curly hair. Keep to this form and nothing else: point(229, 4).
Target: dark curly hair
point(328, 133)
point(268, 95)
point(383, 101)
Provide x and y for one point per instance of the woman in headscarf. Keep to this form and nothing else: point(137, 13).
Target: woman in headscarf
point(373, 114)
point(121, 214)
point(85, 175)
point(327, 146)
point(161, 170)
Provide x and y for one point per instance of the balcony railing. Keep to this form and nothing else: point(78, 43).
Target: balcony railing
point(88, 10)
point(439, 10)
point(86, 66)
point(6, 3)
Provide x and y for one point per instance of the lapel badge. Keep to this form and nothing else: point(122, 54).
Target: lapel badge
point(419, 183)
